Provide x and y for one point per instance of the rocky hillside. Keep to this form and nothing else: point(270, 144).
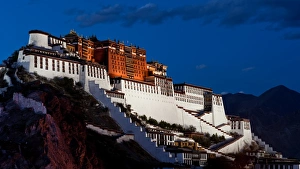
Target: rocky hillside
point(60, 139)
point(274, 117)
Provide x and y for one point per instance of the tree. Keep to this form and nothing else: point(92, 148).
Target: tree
point(143, 117)
point(191, 128)
point(11, 59)
point(164, 125)
point(152, 121)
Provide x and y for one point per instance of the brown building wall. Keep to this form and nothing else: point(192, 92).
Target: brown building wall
point(116, 64)
point(121, 61)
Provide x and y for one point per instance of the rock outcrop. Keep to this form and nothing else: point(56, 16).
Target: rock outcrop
point(60, 139)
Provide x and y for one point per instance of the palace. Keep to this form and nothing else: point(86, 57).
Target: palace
point(116, 73)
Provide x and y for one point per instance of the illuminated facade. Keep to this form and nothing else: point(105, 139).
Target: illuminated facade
point(83, 47)
point(121, 60)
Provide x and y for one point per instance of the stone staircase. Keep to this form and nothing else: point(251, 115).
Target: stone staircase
point(263, 144)
point(225, 143)
point(212, 129)
point(129, 127)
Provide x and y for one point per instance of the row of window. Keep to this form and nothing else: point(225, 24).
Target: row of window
point(188, 89)
point(55, 65)
point(95, 72)
point(116, 95)
point(189, 100)
point(276, 166)
point(118, 57)
point(194, 90)
point(188, 96)
point(235, 125)
point(140, 87)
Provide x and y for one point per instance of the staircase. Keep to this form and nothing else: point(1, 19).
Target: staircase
point(130, 127)
point(263, 144)
point(225, 143)
point(206, 127)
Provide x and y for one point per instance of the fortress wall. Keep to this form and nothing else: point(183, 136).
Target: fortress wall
point(188, 105)
point(153, 105)
point(187, 119)
point(242, 128)
point(219, 116)
point(102, 131)
point(201, 126)
point(54, 68)
point(97, 74)
point(226, 128)
point(24, 102)
point(58, 67)
point(207, 117)
point(235, 147)
point(129, 127)
point(39, 39)
point(245, 140)
point(117, 100)
point(145, 99)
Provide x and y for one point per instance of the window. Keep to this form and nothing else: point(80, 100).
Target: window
point(73, 68)
point(77, 68)
point(35, 61)
point(46, 63)
point(41, 62)
point(70, 68)
point(63, 67)
point(57, 65)
point(53, 65)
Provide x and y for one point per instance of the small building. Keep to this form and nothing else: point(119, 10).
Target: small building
point(276, 163)
point(188, 156)
point(160, 136)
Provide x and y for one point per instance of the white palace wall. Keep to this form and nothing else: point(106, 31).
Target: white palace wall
point(51, 67)
point(218, 111)
point(39, 39)
point(146, 99)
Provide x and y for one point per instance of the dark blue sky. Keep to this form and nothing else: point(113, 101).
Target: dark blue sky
point(228, 45)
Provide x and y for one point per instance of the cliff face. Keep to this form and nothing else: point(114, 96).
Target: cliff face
point(56, 139)
point(59, 139)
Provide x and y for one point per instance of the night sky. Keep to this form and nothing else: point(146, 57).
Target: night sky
point(230, 46)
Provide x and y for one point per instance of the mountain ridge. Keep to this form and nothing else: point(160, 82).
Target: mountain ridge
point(273, 116)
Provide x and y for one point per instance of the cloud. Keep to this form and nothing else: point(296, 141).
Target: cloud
point(241, 92)
point(292, 36)
point(202, 66)
point(248, 69)
point(107, 14)
point(277, 14)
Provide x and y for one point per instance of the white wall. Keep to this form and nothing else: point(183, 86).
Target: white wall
point(150, 103)
point(129, 127)
point(39, 39)
point(24, 102)
point(81, 73)
point(236, 146)
point(218, 110)
point(207, 117)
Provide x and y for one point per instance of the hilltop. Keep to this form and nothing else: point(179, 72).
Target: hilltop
point(60, 138)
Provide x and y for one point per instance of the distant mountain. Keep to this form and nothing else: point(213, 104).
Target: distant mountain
point(274, 116)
